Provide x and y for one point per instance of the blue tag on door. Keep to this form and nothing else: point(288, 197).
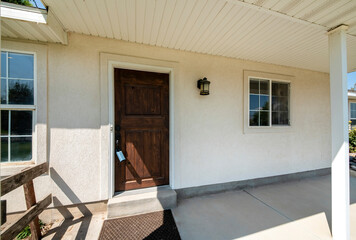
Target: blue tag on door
point(120, 156)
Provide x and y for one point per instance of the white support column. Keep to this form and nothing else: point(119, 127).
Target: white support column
point(339, 134)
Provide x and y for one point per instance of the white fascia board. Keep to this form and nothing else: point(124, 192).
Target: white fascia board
point(24, 13)
point(351, 95)
point(40, 16)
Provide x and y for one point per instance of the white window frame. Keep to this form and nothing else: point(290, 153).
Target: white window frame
point(270, 81)
point(271, 77)
point(20, 107)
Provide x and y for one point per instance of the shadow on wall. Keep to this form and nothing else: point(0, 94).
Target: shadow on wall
point(68, 192)
point(69, 218)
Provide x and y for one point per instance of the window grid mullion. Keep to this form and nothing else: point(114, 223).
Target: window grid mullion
point(270, 103)
point(21, 79)
point(7, 77)
point(259, 102)
point(289, 104)
point(18, 107)
point(9, 139)
point(20, 136)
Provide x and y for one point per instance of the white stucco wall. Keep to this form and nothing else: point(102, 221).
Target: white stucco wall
point(210, 143)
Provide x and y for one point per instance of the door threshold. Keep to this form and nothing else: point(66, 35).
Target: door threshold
point(141, 190)
point(140, 201)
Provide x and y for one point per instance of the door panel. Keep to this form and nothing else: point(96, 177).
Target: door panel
point(142, 100)
point(142, 122)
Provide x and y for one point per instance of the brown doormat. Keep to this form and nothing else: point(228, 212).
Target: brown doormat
point(157, 225)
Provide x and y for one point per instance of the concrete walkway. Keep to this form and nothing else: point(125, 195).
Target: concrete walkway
point(292, 210)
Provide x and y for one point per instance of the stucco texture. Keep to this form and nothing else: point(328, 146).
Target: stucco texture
point(210, 143)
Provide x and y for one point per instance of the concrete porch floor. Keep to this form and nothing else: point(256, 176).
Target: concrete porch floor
point(291, 210)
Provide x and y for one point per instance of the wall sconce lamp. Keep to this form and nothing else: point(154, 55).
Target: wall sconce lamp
point(203, 85)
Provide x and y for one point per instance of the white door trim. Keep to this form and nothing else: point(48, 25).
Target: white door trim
point(108, 62)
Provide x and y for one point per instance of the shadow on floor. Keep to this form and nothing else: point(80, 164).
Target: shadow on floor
point(66, 227)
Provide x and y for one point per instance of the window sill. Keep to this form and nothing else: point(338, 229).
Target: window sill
point(274, 129)
point(8, 169)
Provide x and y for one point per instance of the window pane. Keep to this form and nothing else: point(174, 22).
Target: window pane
point(264, 87)
point(254, 105)
point(254, 117)
point(4, 122)
point(284, 118)
point(264, 102)
point(259, 102)
point(3, 64)
point(21, 92)
point(264, 118)
point(3, 91)
point(21, 122)
point(275, 103)
point(21, 148)
point(254, 86)
point(353, 124)
point(353, 114)
point(280, 103)
point(21, 65)
point(275, 118)
point(4, 149)
point(353, 106)
point(283, 104)
point(280, 89)
point(280, 118)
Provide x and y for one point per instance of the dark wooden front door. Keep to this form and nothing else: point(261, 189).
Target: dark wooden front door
point(141, 129)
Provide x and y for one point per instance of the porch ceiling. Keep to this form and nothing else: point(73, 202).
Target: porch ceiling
point(283, 32)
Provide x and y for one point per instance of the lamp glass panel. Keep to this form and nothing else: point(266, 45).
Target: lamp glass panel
point(206, 86)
